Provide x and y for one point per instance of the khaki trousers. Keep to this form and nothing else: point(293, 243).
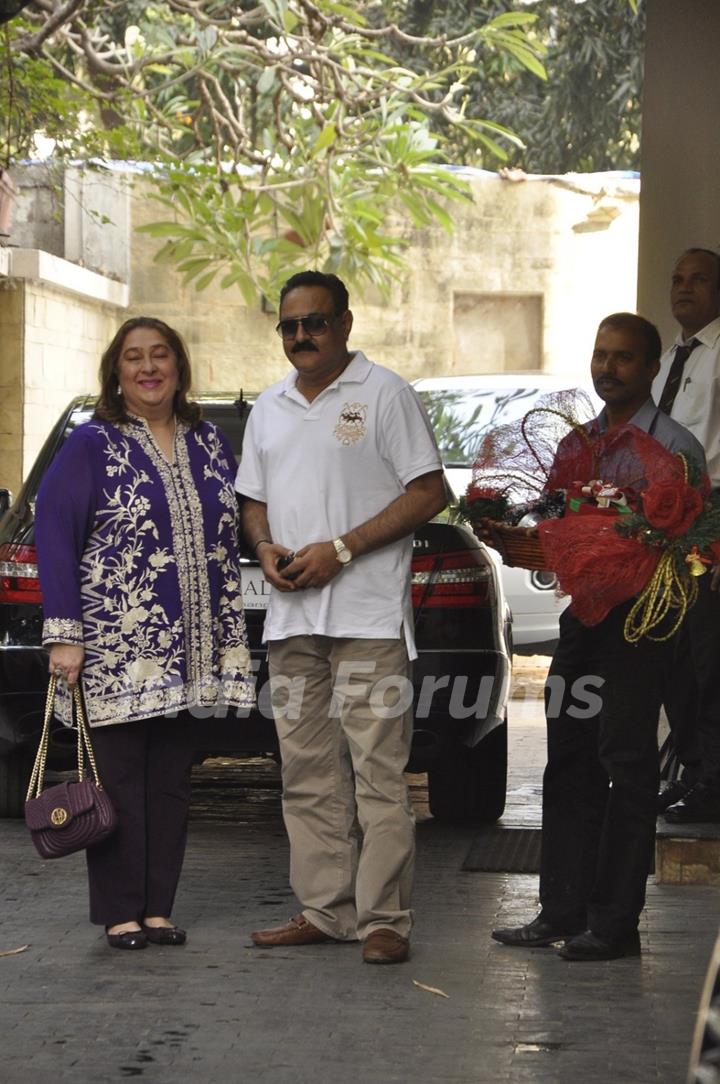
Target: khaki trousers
point(343, 711)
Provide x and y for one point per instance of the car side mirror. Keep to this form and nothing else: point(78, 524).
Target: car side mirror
point(6, 499)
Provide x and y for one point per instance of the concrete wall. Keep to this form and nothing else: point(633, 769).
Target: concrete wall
point(64, 338)
point(522, 283)
point(12, 335)
point(55, 320)
point(81, 215)
point(680, 149)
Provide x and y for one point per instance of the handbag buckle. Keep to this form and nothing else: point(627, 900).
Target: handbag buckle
point(58, 816)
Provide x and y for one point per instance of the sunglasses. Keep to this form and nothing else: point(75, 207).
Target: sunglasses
point(312, 324)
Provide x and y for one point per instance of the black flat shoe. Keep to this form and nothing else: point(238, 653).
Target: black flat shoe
point(587, 946)
point(671, 794)
point(701, 805)
point(131, 939)
point(535, 934)
point(164, 935)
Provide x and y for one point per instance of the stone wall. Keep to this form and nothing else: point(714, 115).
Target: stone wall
point(522, 283)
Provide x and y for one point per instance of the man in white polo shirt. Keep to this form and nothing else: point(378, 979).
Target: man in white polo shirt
point(339, 467)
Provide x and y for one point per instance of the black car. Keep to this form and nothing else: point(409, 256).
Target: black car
point(461, 677)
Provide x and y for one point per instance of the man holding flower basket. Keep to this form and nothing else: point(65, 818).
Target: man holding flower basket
point(634, 491)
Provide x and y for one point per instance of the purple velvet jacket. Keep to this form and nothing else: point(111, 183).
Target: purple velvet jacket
point(138, 562)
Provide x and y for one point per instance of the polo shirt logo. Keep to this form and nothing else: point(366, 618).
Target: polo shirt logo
point(351, 425)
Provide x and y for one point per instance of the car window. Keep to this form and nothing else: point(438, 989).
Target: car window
point(229, 416)
point(460, 417)
point(78, 417)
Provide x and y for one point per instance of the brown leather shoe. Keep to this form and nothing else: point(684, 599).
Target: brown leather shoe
point(298, 931)
point(385, 947)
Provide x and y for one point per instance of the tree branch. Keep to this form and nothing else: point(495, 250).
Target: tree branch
point(31, 44)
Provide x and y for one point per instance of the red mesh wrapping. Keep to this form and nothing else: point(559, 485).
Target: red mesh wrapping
point(517, 458)
point(596, 565)
point(547, 458)
point(628, 457)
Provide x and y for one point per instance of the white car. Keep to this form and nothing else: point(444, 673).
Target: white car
point(461, 409)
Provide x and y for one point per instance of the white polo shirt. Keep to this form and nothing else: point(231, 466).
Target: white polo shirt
point(325, 467)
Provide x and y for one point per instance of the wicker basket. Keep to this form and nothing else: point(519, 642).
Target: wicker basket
point(519, 547)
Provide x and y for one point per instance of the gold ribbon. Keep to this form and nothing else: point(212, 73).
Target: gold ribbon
point(667, 590)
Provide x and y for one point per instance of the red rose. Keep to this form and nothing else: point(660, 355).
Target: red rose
point(672, 507)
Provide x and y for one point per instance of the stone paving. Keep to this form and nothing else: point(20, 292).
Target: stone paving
point(221, 1010)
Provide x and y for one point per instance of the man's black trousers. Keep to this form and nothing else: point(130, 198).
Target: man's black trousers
point(692, 701)
point(602, 701)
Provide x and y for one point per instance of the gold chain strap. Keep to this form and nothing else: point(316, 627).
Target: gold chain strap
point(37, 778)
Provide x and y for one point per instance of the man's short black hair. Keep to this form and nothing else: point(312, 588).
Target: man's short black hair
point(335, 286)
point(630, 321)
point(708, 252)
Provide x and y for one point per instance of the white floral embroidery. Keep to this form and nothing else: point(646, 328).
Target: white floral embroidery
point(140, 661)
point(62, 630)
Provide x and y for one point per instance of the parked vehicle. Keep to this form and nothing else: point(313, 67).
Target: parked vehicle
point(461, 408)
point(461, 678)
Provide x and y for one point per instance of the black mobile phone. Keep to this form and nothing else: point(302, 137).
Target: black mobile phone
point(284, 561)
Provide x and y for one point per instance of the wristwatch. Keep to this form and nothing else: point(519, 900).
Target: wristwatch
point(342, 553)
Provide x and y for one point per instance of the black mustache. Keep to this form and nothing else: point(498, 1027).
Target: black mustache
point(609, 380)
point(304, 345)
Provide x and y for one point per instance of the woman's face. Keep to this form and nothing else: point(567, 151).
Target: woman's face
point(147, 373)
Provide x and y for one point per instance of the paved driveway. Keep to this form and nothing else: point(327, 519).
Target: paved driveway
point(221, 1010)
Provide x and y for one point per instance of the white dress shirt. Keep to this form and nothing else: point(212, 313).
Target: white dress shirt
point(697, 403)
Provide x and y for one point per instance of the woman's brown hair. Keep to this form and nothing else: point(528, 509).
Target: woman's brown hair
point(110, 406)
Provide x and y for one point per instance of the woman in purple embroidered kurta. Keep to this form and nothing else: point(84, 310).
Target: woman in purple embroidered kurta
point(138, 559)
point(143, 571)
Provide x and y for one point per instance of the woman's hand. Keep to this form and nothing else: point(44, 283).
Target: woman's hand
point(66, 661)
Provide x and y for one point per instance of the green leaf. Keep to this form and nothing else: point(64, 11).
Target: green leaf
point(267, 81)
point(204, 281)
point(326, 138)
point(159, 229)
point(511, 19)
point(290, 21)
point(276, 10)
point(195, 265)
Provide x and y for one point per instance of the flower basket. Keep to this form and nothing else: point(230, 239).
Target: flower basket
point(519, 547)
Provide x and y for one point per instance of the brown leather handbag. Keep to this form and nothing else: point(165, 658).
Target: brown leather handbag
point(73, 815)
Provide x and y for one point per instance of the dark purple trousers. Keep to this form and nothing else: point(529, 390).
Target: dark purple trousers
point(145, 768)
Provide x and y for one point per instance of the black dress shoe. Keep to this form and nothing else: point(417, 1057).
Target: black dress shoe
point(587, 946)
point(165, 935)
point(700, 805)
point(131, 939)
point(671, 793)
point(535, 934)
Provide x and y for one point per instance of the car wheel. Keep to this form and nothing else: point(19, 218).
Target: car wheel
point(470, 784)
point(15, 772)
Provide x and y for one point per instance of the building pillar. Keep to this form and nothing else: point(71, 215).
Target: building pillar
point(680, 152)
